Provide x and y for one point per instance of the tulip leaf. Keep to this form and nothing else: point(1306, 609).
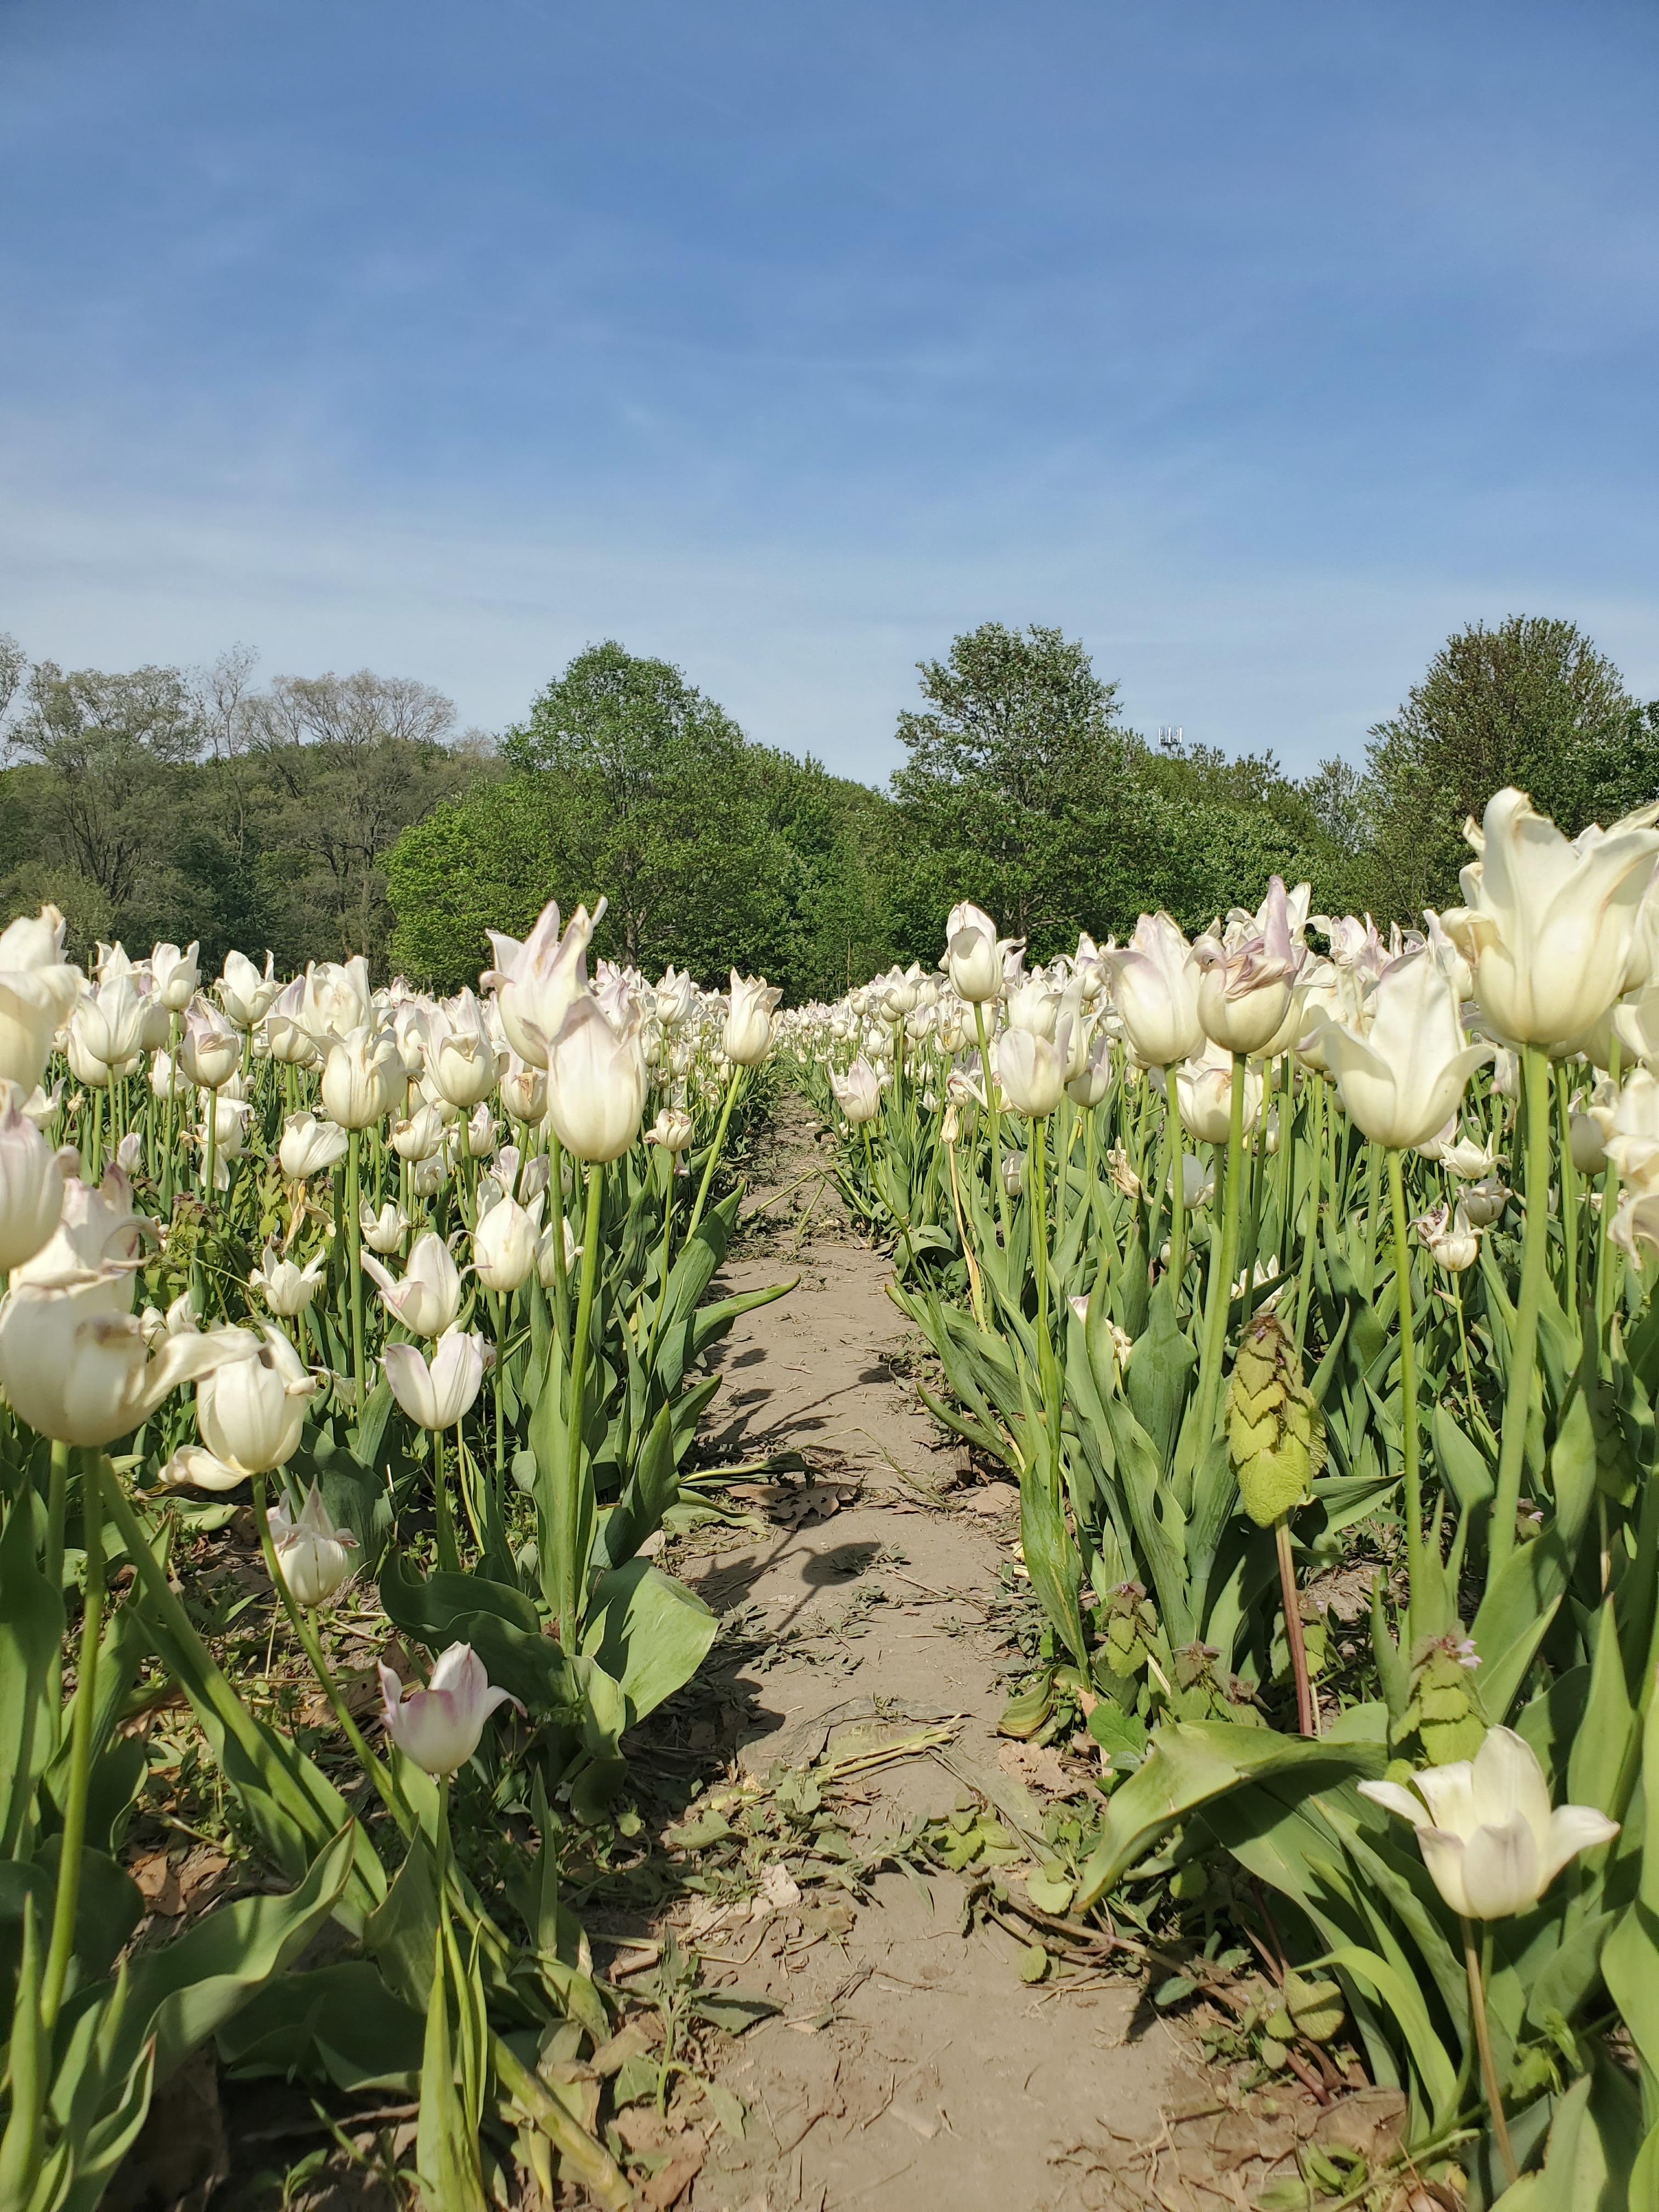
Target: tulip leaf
point(31, 1634)
point(339, 2025)
point(1599, 1744)
point(1460, 1462)
point(647, 1631)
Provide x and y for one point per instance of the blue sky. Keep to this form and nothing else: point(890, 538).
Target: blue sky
point(1258, 343)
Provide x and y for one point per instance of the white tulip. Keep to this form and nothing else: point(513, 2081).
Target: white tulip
point(38, 991)
point(1549, 922)
point(31, 1183)
point(504, 1244)
point(210, 1050)
point(438, 1729)
point(429, 1297)
point(1489, 1838)
point(536, 983)
point(1248, 975)
point(858, 1093)
point(177, 976)
point(439, 1394)
point(1154, 982)
point(748, 1035)
point(286, 1288)
point(1401, 1080)
point(363, 1078)
point(547, 1252)
point(974, 954)
point(313, 1558)
point(1452, 1238)
point(461, 1054)
point(384, 1231)
point(310, 1147)
point(1031, 1069)
point(596, 1083)
point(244, 993)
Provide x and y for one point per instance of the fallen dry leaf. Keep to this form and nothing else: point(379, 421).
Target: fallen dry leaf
point(1039, 1767)
point(158, 1884)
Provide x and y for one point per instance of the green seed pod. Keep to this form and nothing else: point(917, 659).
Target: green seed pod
point(1275, 1432)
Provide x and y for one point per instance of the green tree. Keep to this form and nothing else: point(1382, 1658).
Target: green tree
point(1530, 702)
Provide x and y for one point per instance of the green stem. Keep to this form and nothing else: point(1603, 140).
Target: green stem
point(353, 1236)
point(1483, 2034)
point(1607, 1255)
point(1409, 1419)
point(993, 1114)
point(570, 1562)
point(449, 1557)
point(1177, 1159)
point(1569, 1193)
point(713, 1155)
point(1311, 1234)
point(1221, 1269)
point(57, 1508)
point(80, 1775)
point(561, 1273)
point(1534, 1262)
point(171, 1114)
point(1048, 1362)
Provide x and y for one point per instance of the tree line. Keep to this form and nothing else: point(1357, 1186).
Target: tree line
point(324, 815)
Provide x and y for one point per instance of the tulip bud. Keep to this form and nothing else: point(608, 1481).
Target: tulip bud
point(314, 1558)
point(1275, 1431)
point(1013, 1173)
point(1588, 1145)
point(30, 1184)
point(438, 1729)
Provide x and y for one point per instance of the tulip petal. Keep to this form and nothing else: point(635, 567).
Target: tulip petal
point(1448, 1793)
point(1394, 1797)
point(1442, 1854)
point(1573, 1829)
point(1508, 1784)
point(1502, 1871)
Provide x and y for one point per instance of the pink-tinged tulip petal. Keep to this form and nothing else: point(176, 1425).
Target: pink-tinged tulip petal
point(439, 1727)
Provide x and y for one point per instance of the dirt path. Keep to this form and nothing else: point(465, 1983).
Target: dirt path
point(909, 2065)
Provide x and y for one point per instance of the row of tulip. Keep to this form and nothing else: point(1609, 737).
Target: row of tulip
point(1213, 1243)
point(444, 1296)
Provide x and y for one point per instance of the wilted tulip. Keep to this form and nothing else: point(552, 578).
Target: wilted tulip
point(363, 1078)
point(310, 1147)
point(439, 1394)
point(748, 1036)
point(974, 954)
point(429, 1297)
point(858, 1093)
point(596, 1083)
point(1489, 1838)
point(286, 1288)
point(384, 1231)
point(1032, 1070)
point(1451, 1238)
point(672, 1129)
point(1402, 1079)
point(1013, 1173)
point(1248, 975)
point(536, 982)
point(31, 1183)
point(314, 1558)
point(504, 1244)
point(247, 995)
point(439, 1727)
point(1484, 1201)
point(1549, 922)
point(177, 976)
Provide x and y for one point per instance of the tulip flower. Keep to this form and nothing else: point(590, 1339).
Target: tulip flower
point(1203, 1095)
point(290, 1040)
point(748, 1035)
point(181, 1317)
point(429, 1297)
point(674, 998)
point(1489, 1838)
point(38, 990)
point(210, 1050)
point(1631, 1131)
point(536, 983)
point(596, 1083)
point(439, 1394)
point(461, 1054)
point(1586, 1144)
point(1031, 1069)
point(858, 1093)
point(1549, 922)
point(287, 1290)
point(336, 999)
point(1400, 1081)
point(1248, 975)
point(386, 1231)
point(524, 1092)
point(250, 1413)
point(314, 1558)
point(96, 1245)
point(1091, 1083)
point(310, 1147)
point(1033, 1007)
point(177, 976)
point(30, 1184)
point(107, 1028)
point(1013, 1173)
point(417, 1137)
point(974, 954)
point(363, 1078)
point(1154, 982)
point(244, 993)
point(1450, 1237)
point(439, 1727)
point(504, 1244)
point(672, 1129)
point(80, 1373)
point(481, 1133)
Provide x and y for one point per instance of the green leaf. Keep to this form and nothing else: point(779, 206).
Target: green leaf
point(30, 1635)
point(1460, 1462)
point(338, 2025)
point(1599, 1745)
point(648, 1632)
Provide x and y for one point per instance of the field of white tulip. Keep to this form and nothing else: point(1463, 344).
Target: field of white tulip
point(1215, 1249)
